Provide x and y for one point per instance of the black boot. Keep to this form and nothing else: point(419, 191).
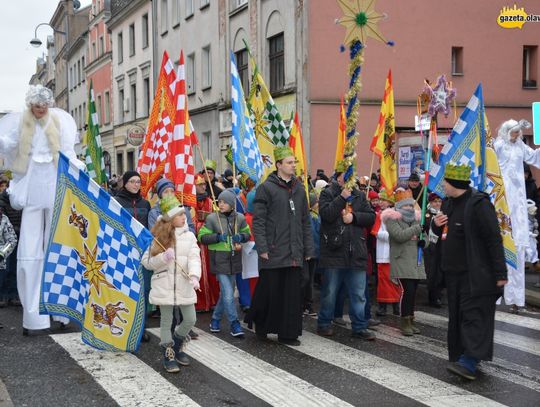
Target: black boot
point(169, 363)
point(395, 308)
point(381, 310)
point(179, 346)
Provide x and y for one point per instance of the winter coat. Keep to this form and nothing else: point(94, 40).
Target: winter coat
point(281, 223)
point(136, 205)
point(170, 286)
point(316, 233)
point(485, 259)
point(223, 258)
point(7, 236)
point(344, 245)
point(403, 246)
point(13, 215)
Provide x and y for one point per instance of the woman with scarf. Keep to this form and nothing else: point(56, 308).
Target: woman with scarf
point(403, 226)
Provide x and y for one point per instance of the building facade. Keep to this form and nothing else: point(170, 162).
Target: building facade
point(99, 72)
point(130, 28)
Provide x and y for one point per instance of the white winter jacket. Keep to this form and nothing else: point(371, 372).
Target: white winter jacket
point(170, 286)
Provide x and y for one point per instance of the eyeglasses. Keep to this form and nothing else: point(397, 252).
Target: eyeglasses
point(134, 181)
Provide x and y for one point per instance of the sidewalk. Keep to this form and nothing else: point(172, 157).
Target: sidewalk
point(532, 288)
point(5, 400)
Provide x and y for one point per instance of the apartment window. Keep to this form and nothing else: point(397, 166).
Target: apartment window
point(530, 66)
point(242, 65)
point(206, 62)
point(189, 8)
point(190, 74)
point(130, 160)
point(121, 106)
point(238, 3)
point(70, 85)
point(204, 3)
point(175, 13)
point(207, 137)
point(277, 63)
point(83, 64)
point(146, 96)
point(94, 55)
point(457, 61)
point(133, 101)
point(79, 73)
point(145, 31)
point(101, 46)
point(120, 48)
point(132, 40)
point(120, 163)
point(164, 17)
point(84, 114)
point(107, 110)
point(98, 108)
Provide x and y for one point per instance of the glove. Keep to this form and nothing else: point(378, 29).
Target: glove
point(168, 255)
point(195, 283)
point(238, 238)
point(221, 237)
point(421, 244)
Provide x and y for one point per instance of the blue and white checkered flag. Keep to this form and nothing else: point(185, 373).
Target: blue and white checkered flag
point(245, 150)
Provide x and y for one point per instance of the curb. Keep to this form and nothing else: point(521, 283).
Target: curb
point(5, 400)
point(532, 297)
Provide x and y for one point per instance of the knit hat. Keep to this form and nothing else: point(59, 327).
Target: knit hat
point(385, 197)
point(227, 173)
point(282, 152)
point(228, 197)
point(372, 195)
point(457, 175)
point(432, 196)
point(250, 199)
point(170, 207)
point(162, 185)
point(128, 175)
point(210, 165)
point(414, 177)
point(403, 198)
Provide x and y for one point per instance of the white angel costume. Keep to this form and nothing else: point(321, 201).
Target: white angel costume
point(511, 156)
point(30, 148)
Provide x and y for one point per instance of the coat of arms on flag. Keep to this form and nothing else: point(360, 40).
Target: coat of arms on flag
point(92, 271)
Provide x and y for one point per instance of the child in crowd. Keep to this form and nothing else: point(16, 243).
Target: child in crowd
point(388, 290)
point(174, 256)
point(403, 225)
point(224, 232)
point(8, 242)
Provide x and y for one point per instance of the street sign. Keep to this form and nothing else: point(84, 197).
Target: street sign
point(422, 123)
point(536, 122)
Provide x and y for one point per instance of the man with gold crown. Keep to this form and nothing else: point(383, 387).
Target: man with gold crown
point(282, 229)
point(30, 143)
point(468, 224)
point(512, 152)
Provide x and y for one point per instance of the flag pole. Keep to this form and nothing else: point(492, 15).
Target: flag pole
point(370, 172)
point(433, 128)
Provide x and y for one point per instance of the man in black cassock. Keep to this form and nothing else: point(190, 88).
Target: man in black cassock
point(468, 225)
point(282, 231)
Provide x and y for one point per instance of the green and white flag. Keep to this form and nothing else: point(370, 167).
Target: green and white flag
point(94, 151)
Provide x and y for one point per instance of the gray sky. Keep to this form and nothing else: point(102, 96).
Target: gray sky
point(18, 20)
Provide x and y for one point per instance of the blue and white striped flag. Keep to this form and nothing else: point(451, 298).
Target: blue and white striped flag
point(245, 150)
point(466, 145)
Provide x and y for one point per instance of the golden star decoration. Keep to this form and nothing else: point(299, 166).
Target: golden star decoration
point(498, 186)
point(93, 269)
point(361, 20)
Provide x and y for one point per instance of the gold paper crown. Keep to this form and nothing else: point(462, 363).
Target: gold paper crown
point(199, 179)
point(384, 196)
point(456, 172)
point(402, 194)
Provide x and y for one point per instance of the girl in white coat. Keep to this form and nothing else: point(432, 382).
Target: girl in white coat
point(176, 263)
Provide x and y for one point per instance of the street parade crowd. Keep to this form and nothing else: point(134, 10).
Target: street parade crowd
point(271, 244)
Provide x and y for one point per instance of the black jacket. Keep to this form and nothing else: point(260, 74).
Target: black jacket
point(282, 224)
point(13, 215)
point(136, 205)
point(486, 263)
point(343, 245)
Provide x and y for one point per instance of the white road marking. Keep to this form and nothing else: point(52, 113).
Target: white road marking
point(127, 379)
point(518, 320)
point(268, 382)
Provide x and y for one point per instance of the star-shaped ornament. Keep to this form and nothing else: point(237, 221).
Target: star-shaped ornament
point(361, 20)
point(442, 96)
point(93, 272)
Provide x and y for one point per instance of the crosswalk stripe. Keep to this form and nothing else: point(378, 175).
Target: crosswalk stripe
point(266, 381)
point(526, 322)
point(529, 345)
point(415, 385)
point(128, 380)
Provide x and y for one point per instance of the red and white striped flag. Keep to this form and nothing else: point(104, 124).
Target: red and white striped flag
point(182, 166)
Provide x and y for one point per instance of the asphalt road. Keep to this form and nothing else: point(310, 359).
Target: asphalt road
point(54, 369)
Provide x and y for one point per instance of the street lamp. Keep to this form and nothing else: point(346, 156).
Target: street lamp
point(36, 42)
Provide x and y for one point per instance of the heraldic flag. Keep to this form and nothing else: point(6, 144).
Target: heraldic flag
point(94, 150)
point(92, 272)
point(470, 145)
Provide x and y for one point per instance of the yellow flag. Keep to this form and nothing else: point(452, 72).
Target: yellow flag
point(296, 142)
point(341, 135)
point(384, 139)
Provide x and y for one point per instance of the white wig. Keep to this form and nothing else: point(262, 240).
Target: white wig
point(39, 95)
point(512, 125)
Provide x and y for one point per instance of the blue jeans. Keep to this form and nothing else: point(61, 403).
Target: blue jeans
point(226, 298)
point(355, 282)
